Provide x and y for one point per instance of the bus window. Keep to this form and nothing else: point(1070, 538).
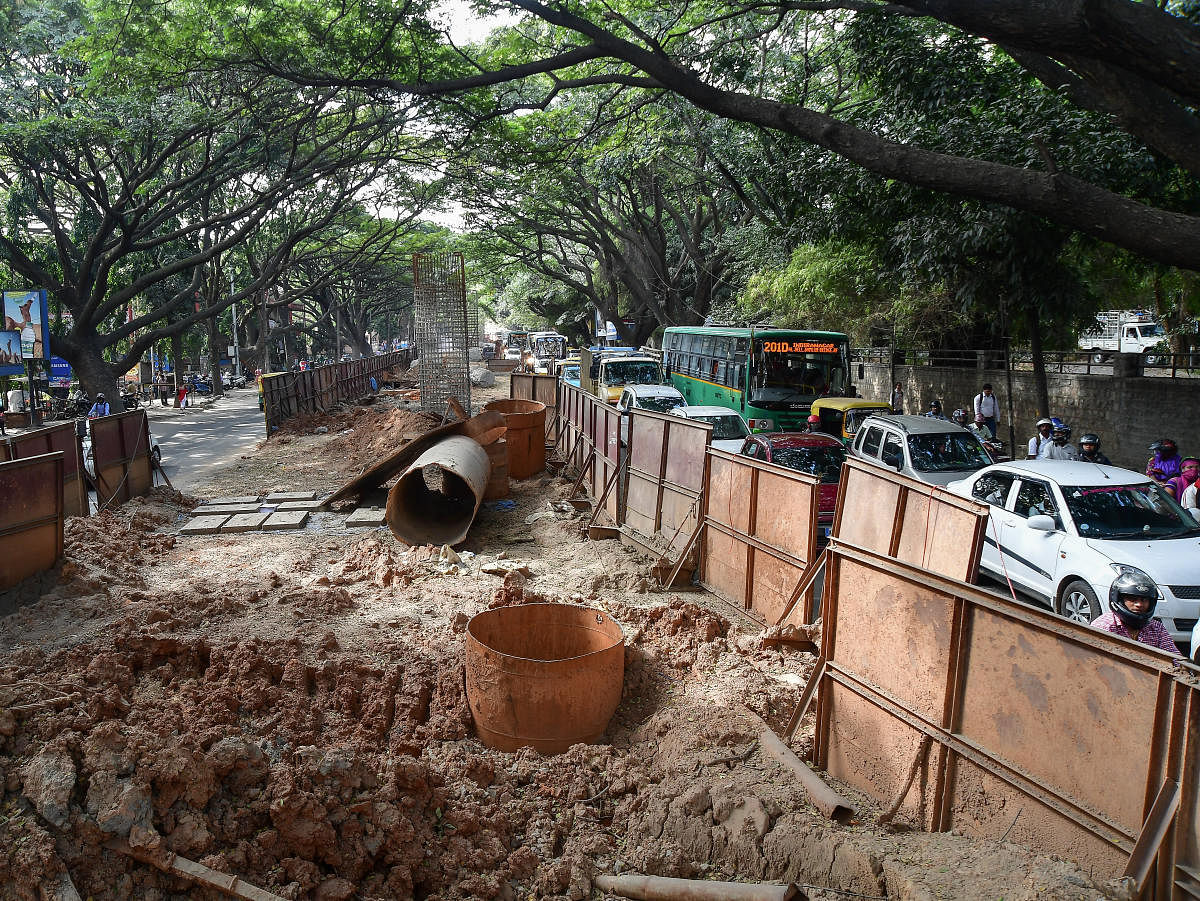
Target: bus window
point(719, 372)
point(706, 345)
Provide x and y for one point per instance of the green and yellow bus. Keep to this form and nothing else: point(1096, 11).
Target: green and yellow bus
point(771, 376)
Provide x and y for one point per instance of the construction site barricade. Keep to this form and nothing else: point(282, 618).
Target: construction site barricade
point(1026, 726)
point(61, 437)
point(121, 457)
point(664, 480)
point(31, 516)
point(542, 388)
point(320, 390)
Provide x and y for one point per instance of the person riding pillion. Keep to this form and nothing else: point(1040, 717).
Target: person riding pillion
point(980, 430)
point(1089, 450)
point(1060, 447)
point(99, 408)
point(1045, 428)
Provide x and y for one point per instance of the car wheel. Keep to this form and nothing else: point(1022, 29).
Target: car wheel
point(1078, 602)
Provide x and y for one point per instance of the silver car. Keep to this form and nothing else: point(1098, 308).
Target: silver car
point(934, 451)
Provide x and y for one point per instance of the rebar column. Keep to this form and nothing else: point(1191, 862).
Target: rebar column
point(443, 330)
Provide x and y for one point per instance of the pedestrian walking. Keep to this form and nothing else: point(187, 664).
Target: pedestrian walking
point(897, 397)
point(987, 406)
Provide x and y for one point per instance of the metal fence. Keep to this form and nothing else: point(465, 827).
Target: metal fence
point(1070, 362)
point(61, 437)
point(121, 457)
point(321, 389)
point(31, 516)
point(543, 389)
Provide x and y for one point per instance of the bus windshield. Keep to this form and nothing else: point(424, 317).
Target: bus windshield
point(788, 375)
point(631, 372)
point(550, 348)
point(517, 339)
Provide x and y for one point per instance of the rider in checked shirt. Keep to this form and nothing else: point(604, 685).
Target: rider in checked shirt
point(1131, 602)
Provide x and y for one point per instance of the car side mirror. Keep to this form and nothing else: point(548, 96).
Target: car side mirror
point(1041, 523)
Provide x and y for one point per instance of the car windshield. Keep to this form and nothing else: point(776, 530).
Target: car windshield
point(631, 372)
point(855, 417)
point(947, 452)
point(1127, 511)
point(660, 404)
point(571, 372)
point(725, 428)
point(823, 462)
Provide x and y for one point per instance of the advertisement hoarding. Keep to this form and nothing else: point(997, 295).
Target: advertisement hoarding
point(10, 353)
point(25, 313)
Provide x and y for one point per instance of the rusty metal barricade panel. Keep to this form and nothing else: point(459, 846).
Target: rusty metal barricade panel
point(64, 438)
point(743, 532)
point(31, 516)
point(666, 477)
point(121, 457)
point(1049, 731)
point(892, 514)
point(607, 430)
point(1061, 693)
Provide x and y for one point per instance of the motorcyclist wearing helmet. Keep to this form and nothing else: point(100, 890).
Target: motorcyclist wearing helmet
point(1165, 464)
point(1060, 447)
point(1089, 450)
point(935, 411)
point(959, 417)
point(813, 423)
point(1131, 602)
point(99, 408)
point(1042, 438)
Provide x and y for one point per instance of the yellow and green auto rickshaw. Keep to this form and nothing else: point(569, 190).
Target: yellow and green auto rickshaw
point(841, 416)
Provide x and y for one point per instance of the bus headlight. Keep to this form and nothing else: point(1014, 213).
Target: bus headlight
point(762, 425)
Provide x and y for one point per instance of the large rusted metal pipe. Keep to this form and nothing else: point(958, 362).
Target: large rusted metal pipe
point(439, 494)
point(663, 888)
point(824, 798)
point(543, 676)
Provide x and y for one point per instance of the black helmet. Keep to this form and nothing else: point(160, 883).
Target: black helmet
point(100, 396)
point(1090, 438)
point(935, 405)
point(959, 416)
point(1136, 585)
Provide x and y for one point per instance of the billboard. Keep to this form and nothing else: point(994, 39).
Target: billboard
point(25, 312)
point(10, 354)
point(60, 372)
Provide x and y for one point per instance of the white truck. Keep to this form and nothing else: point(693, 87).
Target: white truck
point(544, 349)
point(1127, 332)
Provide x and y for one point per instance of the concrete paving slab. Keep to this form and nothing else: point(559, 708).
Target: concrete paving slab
point(227, 509)
point(226, 501)
point(203, 525)
point(285, 519)
point(245, 522)
point(291, 496)
point(299, 505)
point(366, 516)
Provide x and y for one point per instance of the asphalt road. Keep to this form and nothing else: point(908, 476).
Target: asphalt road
point(198, 440)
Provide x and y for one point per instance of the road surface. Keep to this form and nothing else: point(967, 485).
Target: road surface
point(198, 440)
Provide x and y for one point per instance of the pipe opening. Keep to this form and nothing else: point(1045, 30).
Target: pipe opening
point(436, 503)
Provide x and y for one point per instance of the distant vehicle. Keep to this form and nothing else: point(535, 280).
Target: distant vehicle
point(516, 343)
point(729, 429)
point(933, 451)
point(813, 453)
point(606, 372)
point(544, 348)
point(770, 376)
point(488, 352)
point(1124, 331)
point(569, 371)
point(1063, 531)
point(842, 416)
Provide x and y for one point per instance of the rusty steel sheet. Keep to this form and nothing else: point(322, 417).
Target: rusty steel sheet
point(121, 457)
point(901, 517)
point(31, 516)
point(575, 442)
point(760, 532)
point(61, 437)
point(543, 389)
point(606, 431)
point(321, 389)
point(1006, 710)
point(659, 511)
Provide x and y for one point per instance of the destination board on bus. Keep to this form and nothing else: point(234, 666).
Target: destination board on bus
point(798, 347)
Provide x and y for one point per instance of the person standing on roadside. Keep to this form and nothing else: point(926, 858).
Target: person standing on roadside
point(1042, 439)
point(897, 398)
point(987, 406)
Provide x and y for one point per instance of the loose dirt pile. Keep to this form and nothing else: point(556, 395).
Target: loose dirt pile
point(289, 708)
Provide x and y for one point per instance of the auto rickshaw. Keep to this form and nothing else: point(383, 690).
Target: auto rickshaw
point(841, 416)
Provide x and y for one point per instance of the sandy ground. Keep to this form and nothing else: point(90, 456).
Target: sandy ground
point(290, 708)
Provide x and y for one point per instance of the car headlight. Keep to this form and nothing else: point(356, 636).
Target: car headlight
point(1120, 568)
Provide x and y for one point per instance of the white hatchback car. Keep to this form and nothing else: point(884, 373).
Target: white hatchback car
point(1062, 531)
point(728, 426)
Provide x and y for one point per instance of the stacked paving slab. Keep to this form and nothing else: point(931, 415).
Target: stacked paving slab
point(278, 511)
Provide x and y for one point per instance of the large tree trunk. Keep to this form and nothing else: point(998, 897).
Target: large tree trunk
point(1041, 390)
point(177, 359)
point(96, 375)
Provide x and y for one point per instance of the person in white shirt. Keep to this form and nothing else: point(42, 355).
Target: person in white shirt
point(987, 406)
point(1043, 437)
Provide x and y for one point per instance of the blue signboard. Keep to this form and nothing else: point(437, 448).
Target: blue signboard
point(60, 372)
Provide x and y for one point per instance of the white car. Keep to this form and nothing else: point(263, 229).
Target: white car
point(655, 398)
point(1062, 532)
point(728, 426)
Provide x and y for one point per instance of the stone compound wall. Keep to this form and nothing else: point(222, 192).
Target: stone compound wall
point(1127, 412)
